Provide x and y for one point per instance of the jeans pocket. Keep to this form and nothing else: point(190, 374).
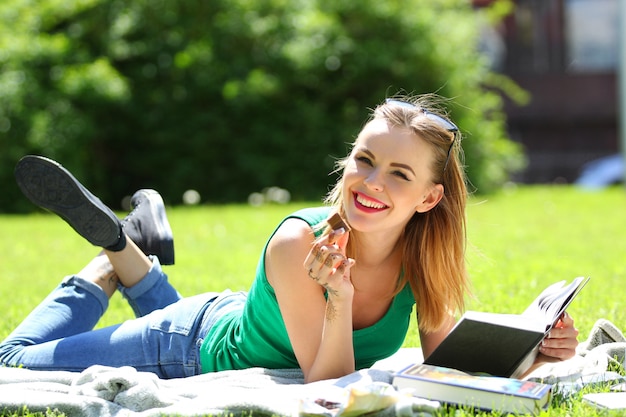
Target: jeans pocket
point(182, 317)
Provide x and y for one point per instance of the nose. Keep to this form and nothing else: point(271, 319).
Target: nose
point(374, 181)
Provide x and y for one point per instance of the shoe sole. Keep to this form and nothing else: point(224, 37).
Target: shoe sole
point(157, 209)
point(50, 186)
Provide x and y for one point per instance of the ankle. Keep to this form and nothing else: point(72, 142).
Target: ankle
point(131, 264)
point(120, 245)
point(100, 271)
point(108, 283)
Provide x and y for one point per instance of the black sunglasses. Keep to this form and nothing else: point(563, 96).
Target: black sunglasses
point(441, 121)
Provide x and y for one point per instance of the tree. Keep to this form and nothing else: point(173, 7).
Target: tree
point(230, 96)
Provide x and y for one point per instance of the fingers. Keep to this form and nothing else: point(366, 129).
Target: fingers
point(327, 253)
point(344, 268)
point(339, 237)
point(323, 263)
point(336, 240)
point(558, 353)
point(562, 340)
point(314, 253)
point(327, 264)
point(565, 321)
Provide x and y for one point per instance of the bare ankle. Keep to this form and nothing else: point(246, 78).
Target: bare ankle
point(108, 282)
point(101, 272)
point(130, 264)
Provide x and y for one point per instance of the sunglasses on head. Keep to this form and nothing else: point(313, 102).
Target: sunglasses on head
point(441, 121)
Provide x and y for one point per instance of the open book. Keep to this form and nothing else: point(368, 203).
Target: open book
point(504, 344)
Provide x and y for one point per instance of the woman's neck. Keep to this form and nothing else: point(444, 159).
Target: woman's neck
point(374, 251)
point(377, 268)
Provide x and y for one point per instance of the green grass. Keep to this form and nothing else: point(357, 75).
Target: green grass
point(520, 240)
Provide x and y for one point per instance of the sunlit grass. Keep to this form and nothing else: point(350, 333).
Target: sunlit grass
point(520, 241)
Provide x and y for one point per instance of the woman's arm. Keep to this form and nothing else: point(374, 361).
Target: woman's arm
point(431, 340)
point(320, 331)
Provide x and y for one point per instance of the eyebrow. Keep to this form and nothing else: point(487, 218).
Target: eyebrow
point(393, 164)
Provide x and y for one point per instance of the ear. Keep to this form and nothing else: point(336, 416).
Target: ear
point(431, 199)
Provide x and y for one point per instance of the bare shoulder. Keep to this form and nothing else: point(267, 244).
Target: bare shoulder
point(292, 235)
point(288, 248)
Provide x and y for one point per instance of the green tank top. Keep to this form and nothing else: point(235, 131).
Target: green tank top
point(255, 335)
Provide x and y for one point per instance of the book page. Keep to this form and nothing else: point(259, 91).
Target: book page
point(553, 301)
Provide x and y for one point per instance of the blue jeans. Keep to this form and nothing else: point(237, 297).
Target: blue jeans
point(165, 337)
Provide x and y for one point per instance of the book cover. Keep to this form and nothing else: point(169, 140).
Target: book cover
point(504, 345)
point(476, 391)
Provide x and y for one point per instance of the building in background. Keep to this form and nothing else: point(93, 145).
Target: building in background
point(565, 53)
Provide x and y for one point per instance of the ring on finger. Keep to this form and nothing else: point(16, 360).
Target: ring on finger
point(315, 277)
point(331, 259)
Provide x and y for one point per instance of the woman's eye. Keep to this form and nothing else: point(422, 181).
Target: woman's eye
point(401, 175)
point(364, 159)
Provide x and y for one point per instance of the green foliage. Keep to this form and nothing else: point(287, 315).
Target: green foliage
point(231, 96)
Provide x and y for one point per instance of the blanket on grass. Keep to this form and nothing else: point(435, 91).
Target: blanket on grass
point(104, 391)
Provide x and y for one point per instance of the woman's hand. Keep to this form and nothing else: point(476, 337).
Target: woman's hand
point(562, 340)
point(560, 344)
point(328, 265)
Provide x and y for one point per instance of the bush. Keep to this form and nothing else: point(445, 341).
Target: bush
point(228, 97)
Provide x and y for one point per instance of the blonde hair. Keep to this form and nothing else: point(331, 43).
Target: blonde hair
point(433, 243)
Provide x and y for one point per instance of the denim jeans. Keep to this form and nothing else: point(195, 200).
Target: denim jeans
point(164, 338)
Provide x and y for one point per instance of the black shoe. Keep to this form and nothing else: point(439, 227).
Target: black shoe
point(47, 184)
point(147, 226)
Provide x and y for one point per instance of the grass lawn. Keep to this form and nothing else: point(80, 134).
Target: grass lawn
point(520, 241)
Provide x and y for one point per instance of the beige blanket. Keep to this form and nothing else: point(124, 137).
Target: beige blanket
point(103, 391)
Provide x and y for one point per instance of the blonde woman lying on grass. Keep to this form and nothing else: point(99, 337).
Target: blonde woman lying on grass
point(326, 301)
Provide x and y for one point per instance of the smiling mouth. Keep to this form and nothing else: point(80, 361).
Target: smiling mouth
point(368, 203)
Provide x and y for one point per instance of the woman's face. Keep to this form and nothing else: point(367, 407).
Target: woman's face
point(387, 178)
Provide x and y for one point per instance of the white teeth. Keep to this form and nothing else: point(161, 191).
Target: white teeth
point(368, 203)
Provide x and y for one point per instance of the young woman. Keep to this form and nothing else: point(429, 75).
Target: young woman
point(327, 302)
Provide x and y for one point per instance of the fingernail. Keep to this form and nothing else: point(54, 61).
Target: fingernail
point(334, 234)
